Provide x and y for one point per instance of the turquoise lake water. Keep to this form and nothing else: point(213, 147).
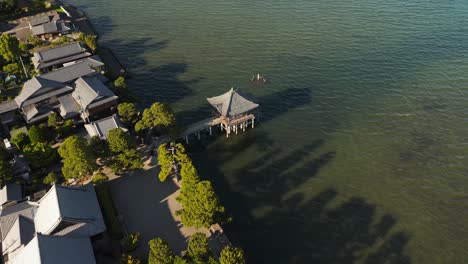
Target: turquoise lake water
point(361, 152)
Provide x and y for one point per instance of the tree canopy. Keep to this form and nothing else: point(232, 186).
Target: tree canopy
point(40, 154)
point(12, 69)
point(231, 255)
point(198, 249)
point(20, 140)
point(89, 40)
point(50, 178)
point(201, 205)
point(38, 134)
point(54, 120)
point(5, 172)
point(77, 157)
point(119, 141)
point(127, 157)
point(9, 47)
point(159, 115)
point(160, 253)
point(128, 113)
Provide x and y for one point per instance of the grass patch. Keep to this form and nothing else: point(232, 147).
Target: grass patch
point(110, 213)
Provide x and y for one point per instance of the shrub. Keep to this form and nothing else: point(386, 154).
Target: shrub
point(231, 255)
point(20, 140)
point(38, 134)
point(40, 154)
point(130, 243)
point(129, 259)
point(100, 178)
point(109, 212)
point(198, 249)
point(160, 252)
point(50, 178)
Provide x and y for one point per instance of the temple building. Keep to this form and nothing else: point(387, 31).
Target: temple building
point(234, 111)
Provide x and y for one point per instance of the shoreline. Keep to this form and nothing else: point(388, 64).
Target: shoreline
point(81, 20)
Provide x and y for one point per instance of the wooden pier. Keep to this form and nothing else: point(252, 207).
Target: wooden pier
point(234, 114)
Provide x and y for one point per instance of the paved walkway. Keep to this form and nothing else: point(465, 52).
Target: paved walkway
point(148, 206)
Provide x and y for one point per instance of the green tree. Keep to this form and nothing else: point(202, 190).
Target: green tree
point(38, 134)
point(160, 253)
point(100, 178)
point(128, 113)
point(120, 83)
point(65, 129)
point(128, 160)
point(198, 249)
point(180, 260)
point(99, 147)
point(165, 161)
point(40, 154)
point(159, 115)
point(89, 40)
point(50, 178)
point(12, 69)
point(201, 205)
point(231, 255)
point(8, 6)
point(54, 120)
point(9, 47)
point(130, 242)
point(129, 259)
point(20, 140)
point(119, 141)
point(37, 5)
point(6, 174)
point(77, 157)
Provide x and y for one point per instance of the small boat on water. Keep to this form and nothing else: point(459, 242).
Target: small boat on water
point(257, 78)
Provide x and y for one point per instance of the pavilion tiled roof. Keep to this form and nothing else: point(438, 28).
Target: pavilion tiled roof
point(231, 104)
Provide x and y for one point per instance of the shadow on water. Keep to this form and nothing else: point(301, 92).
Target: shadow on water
point(149, 82)
point(277, 226)
point(271, 106)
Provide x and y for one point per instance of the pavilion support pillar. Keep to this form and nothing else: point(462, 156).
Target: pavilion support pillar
point(211, 131)
point(221, 125)
point(236, 129)
point(243, 126)
point(186, 139)
point(198, 135)
point(253, 122)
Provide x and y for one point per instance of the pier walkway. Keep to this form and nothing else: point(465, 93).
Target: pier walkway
point(198, 127)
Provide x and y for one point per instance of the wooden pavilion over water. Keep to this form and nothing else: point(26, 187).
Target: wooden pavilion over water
point(234, 112)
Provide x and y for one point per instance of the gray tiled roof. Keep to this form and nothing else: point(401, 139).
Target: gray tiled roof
point(69, 73)
point(10, 192)
point(39, 20)
point(89, 90)
point(8, 106)
point(59, 55)
point(73, 204)
point(8, 215)
point(44, 249)
point(101, 127)
point(32, 86)
point(231, 104)
point(19, 234)
point(46, 28)
point(68, 106)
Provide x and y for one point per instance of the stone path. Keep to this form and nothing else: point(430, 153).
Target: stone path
point(148, 206)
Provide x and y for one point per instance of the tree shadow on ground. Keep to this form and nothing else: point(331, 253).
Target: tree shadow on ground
point(143, 201)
